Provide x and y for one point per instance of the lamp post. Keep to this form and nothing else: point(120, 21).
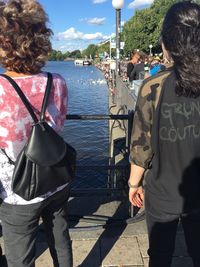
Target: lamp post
point(118, 4)
point(150, 49)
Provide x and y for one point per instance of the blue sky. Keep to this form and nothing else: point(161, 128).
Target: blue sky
point(78, 23)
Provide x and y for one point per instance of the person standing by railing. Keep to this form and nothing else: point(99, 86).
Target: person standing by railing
point(134, 60)
point(25, 45)
point(138, 71)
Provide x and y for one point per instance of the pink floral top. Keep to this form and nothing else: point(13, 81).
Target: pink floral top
point(15, 123)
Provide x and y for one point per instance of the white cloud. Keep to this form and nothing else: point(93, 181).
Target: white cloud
point(139, 3)
point(96, 21)
point(112, 35)
point(99, 1)
point(73, 34)
point(70, 47)
point(63, 47)
point(93, 36)
point(70, 34)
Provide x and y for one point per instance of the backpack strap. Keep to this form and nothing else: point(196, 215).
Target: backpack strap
point(25, 100)
point(27, 103)
point(46, 95)
point(10, 161)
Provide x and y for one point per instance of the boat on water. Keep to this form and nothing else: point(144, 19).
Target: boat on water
point(82, 62)
point(78, 62)
point(87, 62)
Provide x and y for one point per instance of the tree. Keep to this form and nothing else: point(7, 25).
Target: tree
point(52, 55)
point(144, 27)
point(66, 54)
point(90, 51)
point(105, 47)
point(59, 56)
point(75, 54)
point(56, 55)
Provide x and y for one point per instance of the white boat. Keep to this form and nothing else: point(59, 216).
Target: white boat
point(87, 62)
point(82, 62)
point(78, 62)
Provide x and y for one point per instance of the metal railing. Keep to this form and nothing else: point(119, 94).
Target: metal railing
point(123, 170)
point(124, 96)
point(110, 168)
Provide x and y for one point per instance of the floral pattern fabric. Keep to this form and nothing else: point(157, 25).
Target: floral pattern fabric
point(15, 123)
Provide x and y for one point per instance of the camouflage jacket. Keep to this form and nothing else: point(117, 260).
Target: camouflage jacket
point(141, 151)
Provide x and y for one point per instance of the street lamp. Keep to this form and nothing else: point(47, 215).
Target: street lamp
point(150, 49)
point(118, 4)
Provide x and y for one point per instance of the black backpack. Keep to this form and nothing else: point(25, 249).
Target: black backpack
point(46, 161)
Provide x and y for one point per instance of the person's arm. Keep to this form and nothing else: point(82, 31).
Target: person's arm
point(136, 193)
point(140, 148)
point(136, 175)
point(140, 151)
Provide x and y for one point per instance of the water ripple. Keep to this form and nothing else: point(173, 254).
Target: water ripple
point(88, 94)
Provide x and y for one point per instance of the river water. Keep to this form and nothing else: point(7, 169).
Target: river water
point(88, 94)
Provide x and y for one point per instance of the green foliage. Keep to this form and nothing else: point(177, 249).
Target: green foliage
point(90, 51)
point(75, 54)
point(59, 56)
point(56, 55)
point(105, 47)
point(144, 27)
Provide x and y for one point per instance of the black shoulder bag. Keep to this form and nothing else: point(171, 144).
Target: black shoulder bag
point(46, 161)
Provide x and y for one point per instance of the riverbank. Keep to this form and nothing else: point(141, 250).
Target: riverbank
point(104, 67)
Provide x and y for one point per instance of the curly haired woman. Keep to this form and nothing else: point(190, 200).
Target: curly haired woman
point(25, 45)
point(165, 146)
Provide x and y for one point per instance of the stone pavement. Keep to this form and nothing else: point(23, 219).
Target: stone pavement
point(115, 244)
point(119, 247)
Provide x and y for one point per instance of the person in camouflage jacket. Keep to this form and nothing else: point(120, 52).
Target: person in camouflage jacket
point(165, 141)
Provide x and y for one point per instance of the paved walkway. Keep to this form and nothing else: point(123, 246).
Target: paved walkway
point(117, 245)
point(120, 250)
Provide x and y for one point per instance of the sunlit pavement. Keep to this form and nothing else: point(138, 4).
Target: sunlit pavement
point(113, 246)
point(108, 249)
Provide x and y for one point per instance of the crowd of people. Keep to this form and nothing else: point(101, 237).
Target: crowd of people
point(142, 66)
point(139, 67)
point(165, 140)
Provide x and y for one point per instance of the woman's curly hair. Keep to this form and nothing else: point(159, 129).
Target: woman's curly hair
point(24, 36)
point(181, 37)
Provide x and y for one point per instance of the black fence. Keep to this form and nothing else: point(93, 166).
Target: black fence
point(117, 174)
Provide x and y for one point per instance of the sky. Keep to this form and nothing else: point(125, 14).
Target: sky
point(78, 23)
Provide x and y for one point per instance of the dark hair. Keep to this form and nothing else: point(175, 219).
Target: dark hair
point(143, 57)
point(181, 37)
point(24, 36)
point(134, 52)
